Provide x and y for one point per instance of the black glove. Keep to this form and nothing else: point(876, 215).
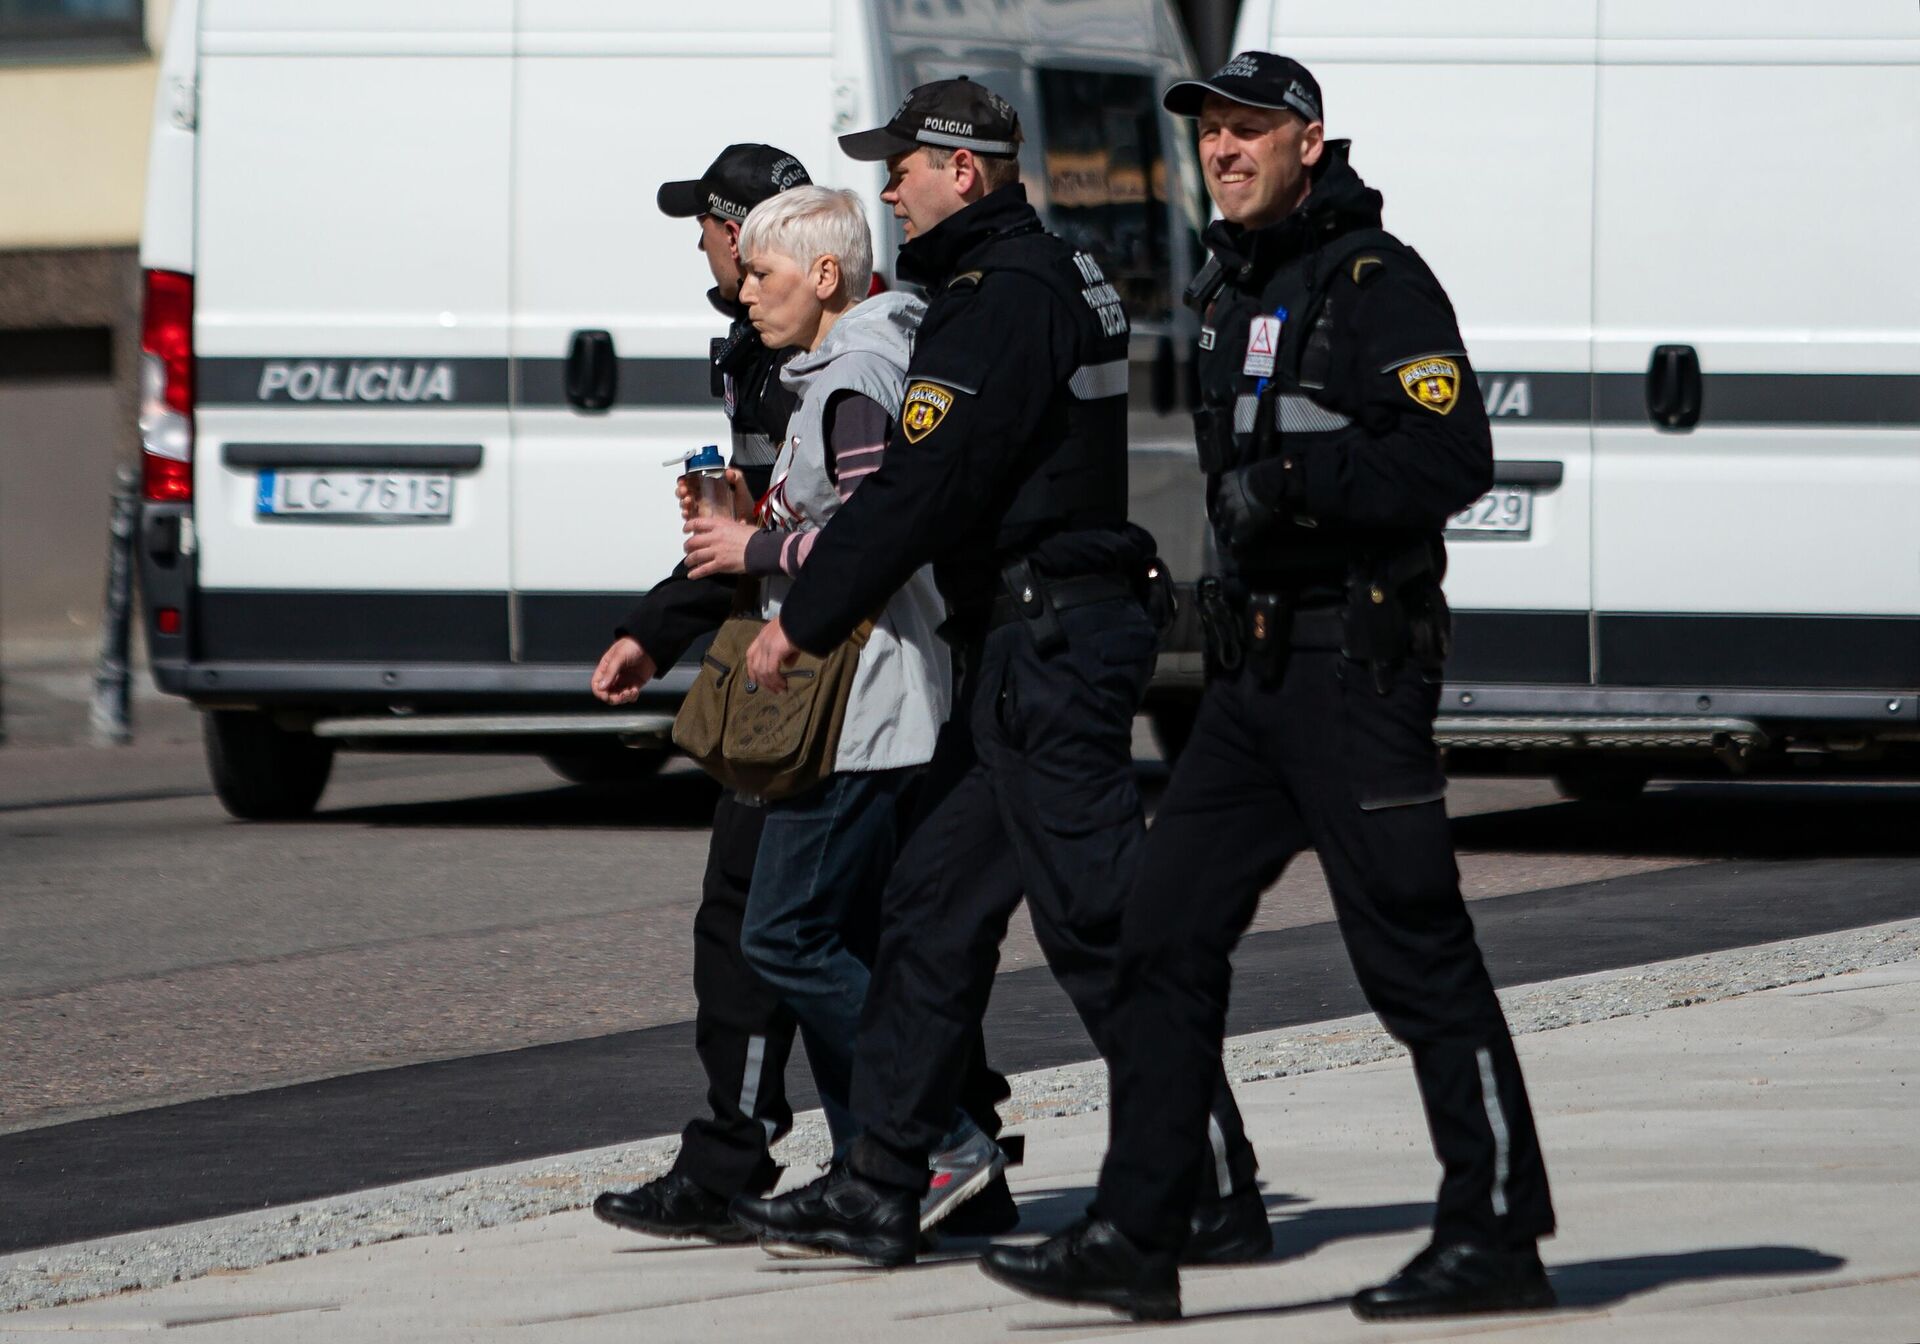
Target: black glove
point(1239, 513)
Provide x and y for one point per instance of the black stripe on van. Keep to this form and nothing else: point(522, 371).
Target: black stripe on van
point(1807, 652)
point(650, 383)
point(406, 382)
point(388, 382)
point(1887, 399)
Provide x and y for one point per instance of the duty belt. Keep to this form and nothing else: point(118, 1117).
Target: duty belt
point(1038, 602)
point(1064, 594)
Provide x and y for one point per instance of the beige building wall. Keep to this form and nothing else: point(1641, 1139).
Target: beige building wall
point(73, 151)
point(73, 158)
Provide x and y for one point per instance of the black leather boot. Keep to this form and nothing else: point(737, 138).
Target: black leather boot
point(1459, 1279)
point(841, 1213)
point(1230, 1231)
point(1094, 1262)
point(671, 1206)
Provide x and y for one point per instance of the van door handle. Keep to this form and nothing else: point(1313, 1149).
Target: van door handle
point(593, 371)
point(1673, 387)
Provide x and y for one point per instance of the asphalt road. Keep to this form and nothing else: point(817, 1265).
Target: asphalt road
point(465, 961)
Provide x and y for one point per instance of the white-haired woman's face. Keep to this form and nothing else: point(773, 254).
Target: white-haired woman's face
point(785, 300)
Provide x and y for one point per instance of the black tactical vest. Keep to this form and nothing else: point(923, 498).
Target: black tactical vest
point(1079, 476)
point(1249, 415)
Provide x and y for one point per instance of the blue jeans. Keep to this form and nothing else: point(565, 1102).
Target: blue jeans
point(813, 912)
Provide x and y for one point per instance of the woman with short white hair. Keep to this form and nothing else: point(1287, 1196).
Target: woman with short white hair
point(825, 854)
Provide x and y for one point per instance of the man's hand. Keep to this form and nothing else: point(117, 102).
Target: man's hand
point(770, 653)
point(624, 669)
point(716, 546)
point(1239, 512)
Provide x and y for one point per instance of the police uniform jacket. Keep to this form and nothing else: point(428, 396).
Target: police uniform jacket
point(1334, 377)
point(1011, 442)
point(746, 375)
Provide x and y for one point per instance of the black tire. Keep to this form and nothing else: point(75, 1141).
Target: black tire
point(1601, 782)
point(1172, 720)
point(261, 771)
point(607, 762)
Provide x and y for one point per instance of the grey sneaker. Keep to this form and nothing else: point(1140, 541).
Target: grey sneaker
point(960, 1171)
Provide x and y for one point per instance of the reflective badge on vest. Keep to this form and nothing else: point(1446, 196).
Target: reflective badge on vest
point(926, 406)
point(1434, 383)
point(1263, 343)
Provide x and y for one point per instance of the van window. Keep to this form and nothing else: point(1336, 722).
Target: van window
point(1107, 181)
point(62, 27)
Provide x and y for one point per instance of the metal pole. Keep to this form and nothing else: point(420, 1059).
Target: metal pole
point(111, 715)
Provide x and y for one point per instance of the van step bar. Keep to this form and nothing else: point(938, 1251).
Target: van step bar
point(495, 725)
point(1597, 732)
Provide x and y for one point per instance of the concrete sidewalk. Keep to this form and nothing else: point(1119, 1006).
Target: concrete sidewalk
point(1743, 1171)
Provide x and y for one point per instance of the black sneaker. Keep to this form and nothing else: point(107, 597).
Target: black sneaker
point(1230, 1231)
point(671, 1206)
point(841, 1212)
point(991, 1213)
point(1459, 1279)
point(1092, 1262)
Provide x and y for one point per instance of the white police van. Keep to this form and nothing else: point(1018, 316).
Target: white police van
point(399, 491)
point(1677, 236)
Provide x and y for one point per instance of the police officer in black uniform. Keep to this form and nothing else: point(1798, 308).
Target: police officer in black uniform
point(1341, 427)
point(743, 1033)
point(1007, 470)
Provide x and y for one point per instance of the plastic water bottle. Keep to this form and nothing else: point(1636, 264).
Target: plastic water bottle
point(707, 476)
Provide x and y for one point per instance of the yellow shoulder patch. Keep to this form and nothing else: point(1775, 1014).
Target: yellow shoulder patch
point(971, 279)
point(926, 405)
point(1364, 268)
point(1432, 382)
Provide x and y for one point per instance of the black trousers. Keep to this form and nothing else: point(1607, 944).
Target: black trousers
point(1031, 791)
point(743, 1032)
point(1323, 759)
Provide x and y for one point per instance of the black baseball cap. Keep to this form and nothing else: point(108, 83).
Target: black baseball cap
point(1256, 78)
point(946, 114)
point(741, 178)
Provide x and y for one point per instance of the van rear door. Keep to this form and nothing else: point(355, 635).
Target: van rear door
point(1476, 123)
point(1757, 464)
point(612, 99)
point(353, 453)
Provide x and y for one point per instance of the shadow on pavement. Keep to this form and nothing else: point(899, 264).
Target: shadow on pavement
point(1303, 1233)
point(1586, 1286)
point(1605, 1283)
point(1714, 821)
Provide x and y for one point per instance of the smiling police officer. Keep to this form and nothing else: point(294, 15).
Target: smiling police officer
point(1341, 427)
point(1008, 471)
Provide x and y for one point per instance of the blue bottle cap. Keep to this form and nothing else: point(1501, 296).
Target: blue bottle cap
point(707, 459)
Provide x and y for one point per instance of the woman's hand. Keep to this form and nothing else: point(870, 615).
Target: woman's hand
point(744, 507)
point(717, 546)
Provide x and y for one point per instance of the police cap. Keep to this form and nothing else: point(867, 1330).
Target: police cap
point(741, 178)
point(1255, 78)
point(946, 114)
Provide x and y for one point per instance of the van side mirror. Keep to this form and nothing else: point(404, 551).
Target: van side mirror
point(1166, 376)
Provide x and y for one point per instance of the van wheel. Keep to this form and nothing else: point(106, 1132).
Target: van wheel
point(261, 771)
point(1172, 720)
point(605, 763)
point(1601, 782)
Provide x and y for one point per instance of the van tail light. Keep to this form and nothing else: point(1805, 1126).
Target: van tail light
point(166, 387)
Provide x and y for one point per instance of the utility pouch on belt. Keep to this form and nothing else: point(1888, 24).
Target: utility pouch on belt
point(1269, 637)
point(1031, 600)
point(1154, 587)
point(1213, 439)
point(1394, 609)
point(1220, 627)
